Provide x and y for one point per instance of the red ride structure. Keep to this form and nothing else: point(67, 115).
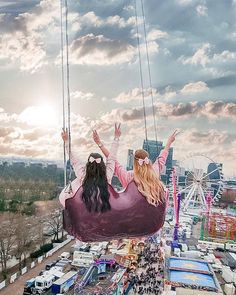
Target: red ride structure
point(217, 226)
point(222, 226)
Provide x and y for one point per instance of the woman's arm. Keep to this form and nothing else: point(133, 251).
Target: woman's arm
point(75, 162)
point(97, 140)
point(113, 166)
point(111, 159)
point(110, 155)
point(170, 140)
point(161, 159)
point(125, 177)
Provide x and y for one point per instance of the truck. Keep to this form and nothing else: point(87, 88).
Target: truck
point(42, 282)
point(63, 284)
point(29, 286)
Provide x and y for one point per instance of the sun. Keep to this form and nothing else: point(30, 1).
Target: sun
point(40, 116)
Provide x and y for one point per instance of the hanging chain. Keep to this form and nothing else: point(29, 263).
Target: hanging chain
point(149, 73)
point(141, 75)
point(63, 89)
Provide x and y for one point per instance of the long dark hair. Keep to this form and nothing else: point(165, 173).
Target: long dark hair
point(95, 186)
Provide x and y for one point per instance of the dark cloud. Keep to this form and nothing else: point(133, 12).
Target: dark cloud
point(91, 49)
point(102, 8)
point(209, 109)
point(16, 7)
point(222, 81)
point(209, 137)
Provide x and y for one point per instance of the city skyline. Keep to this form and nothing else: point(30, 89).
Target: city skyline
point(192, 51)
point(129, 161)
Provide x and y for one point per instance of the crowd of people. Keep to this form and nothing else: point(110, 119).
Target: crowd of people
point(149, 275)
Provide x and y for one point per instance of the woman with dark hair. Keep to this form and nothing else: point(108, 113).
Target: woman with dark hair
point(94, 177)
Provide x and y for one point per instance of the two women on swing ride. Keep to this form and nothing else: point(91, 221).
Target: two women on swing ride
point(144, 197)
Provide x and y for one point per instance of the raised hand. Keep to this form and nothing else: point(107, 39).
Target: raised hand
point(64, 135)
point(171, 139)
point(96, 137)
point(117, 132)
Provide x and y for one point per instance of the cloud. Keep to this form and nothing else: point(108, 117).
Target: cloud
point(210, 137)
point(184, 2)
point(194, 87)
point(200, 57)
point(43, 116)
point(210, 109)
point(129, 8)
point(22, 50)
point(156, 34)
point(92, 20)
point(218, 145)
point(82, 95)
point(216, 110)
point(220, 109)
point(6, 131)
point(205, 57)
point(22, 38)
point(99, 50)
point(22, 151)
point(6, 117)
point(134, 95)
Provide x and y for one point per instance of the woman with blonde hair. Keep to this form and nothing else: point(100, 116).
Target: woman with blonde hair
point(145, 174)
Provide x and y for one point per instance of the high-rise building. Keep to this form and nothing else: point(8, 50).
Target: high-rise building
point(214, 170)
point(130, 160)
point(154, 148)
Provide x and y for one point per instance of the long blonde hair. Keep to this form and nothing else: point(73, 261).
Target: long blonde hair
point(147, 180)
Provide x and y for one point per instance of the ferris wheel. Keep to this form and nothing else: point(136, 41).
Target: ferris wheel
point(202, 175)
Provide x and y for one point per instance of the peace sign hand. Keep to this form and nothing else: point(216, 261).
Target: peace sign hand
point(171, 139)
point(117, 132)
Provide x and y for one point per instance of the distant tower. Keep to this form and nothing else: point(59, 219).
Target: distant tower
point(154, 148)
point(214, 171)
point(130, 160)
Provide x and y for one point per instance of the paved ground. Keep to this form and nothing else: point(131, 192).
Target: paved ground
point(17, 287)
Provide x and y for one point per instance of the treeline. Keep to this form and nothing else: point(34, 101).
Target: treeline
point(21, 186)
point(33, 172)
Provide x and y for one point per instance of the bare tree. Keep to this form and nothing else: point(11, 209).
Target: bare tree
point(26, 237)
point(54, 223)
point(7, 239)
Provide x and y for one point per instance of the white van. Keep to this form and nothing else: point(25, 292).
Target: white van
point(44, 282)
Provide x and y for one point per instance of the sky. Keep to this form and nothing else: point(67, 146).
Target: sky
point(192, 57)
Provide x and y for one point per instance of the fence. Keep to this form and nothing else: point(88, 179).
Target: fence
point(15, 276)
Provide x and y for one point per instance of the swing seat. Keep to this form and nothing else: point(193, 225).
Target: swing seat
point(130, 216)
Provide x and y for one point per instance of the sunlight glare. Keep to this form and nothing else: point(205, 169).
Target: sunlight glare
point(41, 116)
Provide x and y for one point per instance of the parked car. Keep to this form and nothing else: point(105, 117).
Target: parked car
point(64, 255)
